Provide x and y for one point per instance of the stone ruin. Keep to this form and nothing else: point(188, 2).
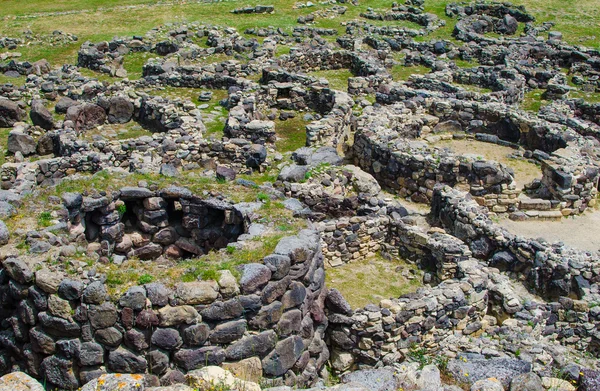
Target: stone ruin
point(489, 297)
point(139, 223)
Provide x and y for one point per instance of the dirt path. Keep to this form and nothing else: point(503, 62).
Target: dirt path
point(582, 232)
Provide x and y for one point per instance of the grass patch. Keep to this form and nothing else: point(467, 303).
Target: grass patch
point(17, 81)
point(337, 78)
point(4, 144)
point(474, 88)
point(291, 133)
point(533, 100)
point(134, 62)
point(366, 281)
point(125, 131)
point(402, 72)
point(465, 64)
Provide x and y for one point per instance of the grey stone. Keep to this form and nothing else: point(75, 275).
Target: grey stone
point(103, 315)
point(254, 276)
point(503, 369)
point(278, 264)
point(167, 339)
point(283, 357)
point(189, 359)
point(158, 294)
point(124, 361)
point(110, 336)
point(91, 353)
point(382, 379)
point(10, 113)
point(195, 335)
point(59, 372)
point(134, 298)
point(254, 345)
point(21, 142)
point(293, 173)
point(70, 289)
point(120, 110)
point(526, 382)
point(95, 293)
point(228, 332)
point(6, 210)
point(40, 116)
point(18, 270)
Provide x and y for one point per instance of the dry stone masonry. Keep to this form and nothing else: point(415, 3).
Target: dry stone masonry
point(321, 124)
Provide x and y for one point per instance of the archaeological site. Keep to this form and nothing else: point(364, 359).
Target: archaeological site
point(336, 195)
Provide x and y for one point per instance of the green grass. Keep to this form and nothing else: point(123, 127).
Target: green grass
point(533, 100)
point(134, 62)
point(4, 144)
point(402, 73)
point(474, 88)
point(45, 219)
point(291, 134)
point(125, 131)
point(98, 20)
point(17, 81)
point(366, 281)
point(589, 97)
point(465, 64)
point(337, 78)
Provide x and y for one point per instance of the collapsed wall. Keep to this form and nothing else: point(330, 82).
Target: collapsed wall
point(139, 223)
point(270, 324)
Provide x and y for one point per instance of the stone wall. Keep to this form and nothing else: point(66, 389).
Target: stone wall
point(385, 333)
point(410, 172)
point(352, 238)
point(68, 331)
point(551, 271)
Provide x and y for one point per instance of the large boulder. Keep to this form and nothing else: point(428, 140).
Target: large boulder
point(59, 372)
point(256, 156)
point(18, 141)
point(4, 233)
point(590, 380)
point(363, 182)
point(469, 368)
point(111, 382)
point(10, 113)
point(293, 173)
point(283, 357)
point(46, 144)
point(125, 361)
point(197, 292)
point(18, 270)
point(526, 382)
point(254, 276)
point(120, 110)
point(381, 379)
point(86, 116)
point(63, 105)
point(19, 381)
point(41, 116)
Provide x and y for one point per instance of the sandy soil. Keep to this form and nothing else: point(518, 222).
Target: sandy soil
point(582, 232)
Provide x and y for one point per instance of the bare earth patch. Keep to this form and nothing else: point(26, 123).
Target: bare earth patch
point(582, 232)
